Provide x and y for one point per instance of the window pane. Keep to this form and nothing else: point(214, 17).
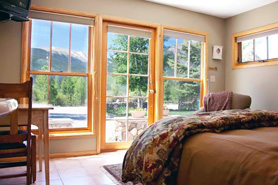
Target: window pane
point(135, 128)
point(116, 85)
point(79, 48)
point(138, 64)
point(181, 97)
point(138, 108)
point(116, 108)
point(116, 62)
point(182, 58)
point(115, 130)
point(273, 46)
point(117, 42)
point(195, 59)
point(138, 86)
point(40, 44)
point(60, 47)
point(247, 51)
point(40, 86)
point(169, 45)
point(138, 44)
point(68, 96)
point(260, 49)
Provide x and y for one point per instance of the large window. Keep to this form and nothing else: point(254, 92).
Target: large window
point(182, 72)
point(256, 47)
point(59, 65)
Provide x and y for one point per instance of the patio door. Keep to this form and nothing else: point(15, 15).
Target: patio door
point(127, 84)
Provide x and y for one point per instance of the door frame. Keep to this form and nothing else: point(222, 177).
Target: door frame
point(151, 96)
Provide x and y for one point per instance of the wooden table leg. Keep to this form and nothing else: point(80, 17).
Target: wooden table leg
point(40, 148)
point(46, 146)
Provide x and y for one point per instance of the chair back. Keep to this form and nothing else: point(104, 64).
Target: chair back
point(10, 119)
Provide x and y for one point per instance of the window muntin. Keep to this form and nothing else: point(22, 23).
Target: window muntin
point(182, 74)
point(59, 66)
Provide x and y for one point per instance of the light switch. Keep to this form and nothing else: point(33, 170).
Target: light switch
point(212, 78)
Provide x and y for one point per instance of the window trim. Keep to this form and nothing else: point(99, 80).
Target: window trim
point(26, 72)
point(235, 48)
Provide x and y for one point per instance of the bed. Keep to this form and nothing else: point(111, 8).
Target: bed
point(219, 148)
point(248, 157)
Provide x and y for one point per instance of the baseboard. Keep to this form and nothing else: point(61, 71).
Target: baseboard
point(52, 156)
point(72, 154)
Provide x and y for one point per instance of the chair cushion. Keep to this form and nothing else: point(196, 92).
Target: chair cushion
point(7, 132)
point(6, 146)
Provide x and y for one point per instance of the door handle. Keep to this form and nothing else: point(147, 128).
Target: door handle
point(151, 91)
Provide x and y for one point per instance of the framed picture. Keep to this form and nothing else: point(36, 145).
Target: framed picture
point(217, 52)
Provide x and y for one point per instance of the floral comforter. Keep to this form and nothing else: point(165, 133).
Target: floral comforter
point(153, 157)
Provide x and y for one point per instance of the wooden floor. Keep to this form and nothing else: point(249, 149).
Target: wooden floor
point(73, 171)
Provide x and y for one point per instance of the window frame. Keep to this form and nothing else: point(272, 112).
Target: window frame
point(107, 146)
point(236, 49)
point(204, 64)
point(26, 71)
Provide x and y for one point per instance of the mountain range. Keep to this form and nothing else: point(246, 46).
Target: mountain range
point(59, 60)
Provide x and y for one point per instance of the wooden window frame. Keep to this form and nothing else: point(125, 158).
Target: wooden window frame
point(123, 145)
point(204, 64)
point(236, 49)
point(26, 72)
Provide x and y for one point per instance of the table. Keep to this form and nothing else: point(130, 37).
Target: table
point(40, 119)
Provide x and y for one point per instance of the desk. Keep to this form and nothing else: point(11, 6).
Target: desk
point(40, 119)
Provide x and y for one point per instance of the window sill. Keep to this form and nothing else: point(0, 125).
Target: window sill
point(255, 64)
point(71, 135)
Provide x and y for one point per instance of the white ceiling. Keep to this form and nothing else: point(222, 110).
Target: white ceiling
point(218, 8)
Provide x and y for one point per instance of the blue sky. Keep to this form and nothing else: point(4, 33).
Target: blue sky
point(61, 32)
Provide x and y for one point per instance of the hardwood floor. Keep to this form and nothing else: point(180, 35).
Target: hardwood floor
point(73, 170)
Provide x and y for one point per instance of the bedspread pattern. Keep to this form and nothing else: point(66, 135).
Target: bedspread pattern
point(153, 157)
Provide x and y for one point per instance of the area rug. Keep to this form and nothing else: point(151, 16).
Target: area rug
point(115, 170)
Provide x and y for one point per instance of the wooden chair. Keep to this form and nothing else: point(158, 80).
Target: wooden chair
point(17, 142)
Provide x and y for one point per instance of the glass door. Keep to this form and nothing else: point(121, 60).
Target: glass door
point(128, 84)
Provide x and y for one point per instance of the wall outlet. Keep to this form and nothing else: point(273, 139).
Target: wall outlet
point(212, 78)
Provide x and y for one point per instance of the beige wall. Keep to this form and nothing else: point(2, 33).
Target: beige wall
point(10, 40)
point(261, 83)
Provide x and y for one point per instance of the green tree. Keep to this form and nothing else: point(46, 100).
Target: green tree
point(53, 91)
point(67, 87)
point(40, 87)
point(79, 94)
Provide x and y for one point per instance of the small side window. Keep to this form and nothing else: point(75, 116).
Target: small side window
point(257, 47)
